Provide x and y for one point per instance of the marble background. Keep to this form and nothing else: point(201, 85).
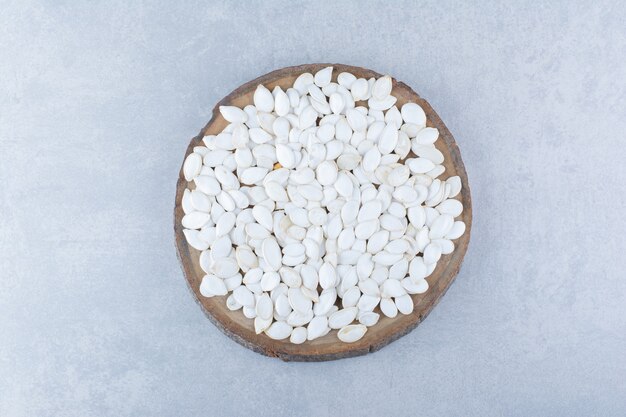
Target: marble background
point(98, 101)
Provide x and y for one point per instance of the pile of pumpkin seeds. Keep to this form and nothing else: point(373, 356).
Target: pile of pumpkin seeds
point(308, 212)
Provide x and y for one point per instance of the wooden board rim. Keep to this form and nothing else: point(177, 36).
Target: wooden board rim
point(309, 351)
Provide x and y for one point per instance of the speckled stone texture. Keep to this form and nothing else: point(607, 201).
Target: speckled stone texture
point(98, 102)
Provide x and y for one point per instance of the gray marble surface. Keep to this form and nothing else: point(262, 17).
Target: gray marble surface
point(98, 101)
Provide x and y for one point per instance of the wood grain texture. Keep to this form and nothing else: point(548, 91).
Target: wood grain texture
point(241, 329)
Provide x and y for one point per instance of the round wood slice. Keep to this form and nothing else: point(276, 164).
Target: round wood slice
point(240, 328)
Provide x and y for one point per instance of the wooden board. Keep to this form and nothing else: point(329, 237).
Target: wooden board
point(241, 329)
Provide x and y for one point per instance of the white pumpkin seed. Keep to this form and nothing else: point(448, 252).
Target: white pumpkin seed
point(271, 254)
point(317, 327)
point(322, 77)
point(451, 207)
point(290, 276)
point(311, 192)
point(371, 160)
point(233, 114)
point(446, 245)
point(310, 294)
point(346, 79)
point(298, 335)
point(393, 116)
point(263, 99)
point(342, 317)
point(302, 82)
point(246, 258)
point(369, 286)
point(370, 210)
point(225, 267)
point(298, 319)
point(344, 185)
point(253, 276)
point(405, 194)
point(441, 226)
point(261, 324)
point(259, 136)
point(226, 201)
point(414, 114)
point(279, 330)
point(457, 230)
point(336, 102)
point(317, 216)
point(420, 165)
point(326, 302)
point(398, 176)
point(382, 88)
point(397, 246)
point(417, 268)
point(388, 139)
point(281, 102)
point(352, 333)
point(384, 104)
point(263, 216)
point(225, 223)
point(285, 156)
point(348, 161)
point(326, 173)
point(270, 281)
point(232, 305)
point(432, 253)
point(282, 306)
point(427, 136)
point(244, 297)
point(334, 227)
point(404, 304)
point(368, 318)
point(327, 276)
point(307, 118)
point(359, 89)
point(351, 297)
point(212, 285)
point(399, 269)
point(366, 229)
point(276, 192)
point(412, 286)
point(186, 202)
point(256, 231)
point(368, 302)
point(221, 248)
point(391, 223)
point(249, 312)
point(195, 219)
point(377, 241)
point(346, 238)
point(207, 185)
point(455, 186)
point(192, 166)
point(388, 307)
point(252, 175)
point(356, 120)
point(428, 152)
point(392, 288)
point(233, 282)
point(330, 89)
